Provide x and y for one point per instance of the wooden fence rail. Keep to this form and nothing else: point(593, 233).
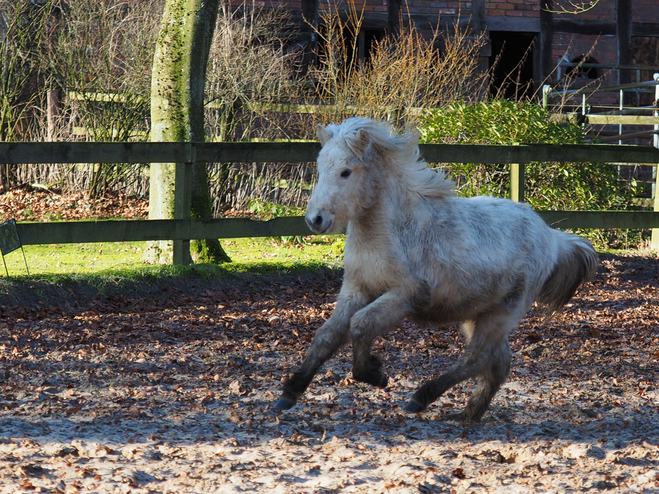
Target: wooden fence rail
point(19, 153)
point(298, 152)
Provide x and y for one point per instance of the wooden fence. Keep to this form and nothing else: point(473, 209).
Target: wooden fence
point(182, 229)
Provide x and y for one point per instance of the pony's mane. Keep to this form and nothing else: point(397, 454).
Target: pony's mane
point(399, 153)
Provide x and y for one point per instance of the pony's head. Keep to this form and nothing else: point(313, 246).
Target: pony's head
point(345, 180)
point(358, 158)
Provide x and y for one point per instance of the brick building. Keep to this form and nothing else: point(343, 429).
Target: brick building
point(537, 33)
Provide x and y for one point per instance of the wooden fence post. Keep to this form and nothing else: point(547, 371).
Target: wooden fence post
point(654, 239)
point(181, 248)
point(182, 205)
point(517, 182)
point(53, 104)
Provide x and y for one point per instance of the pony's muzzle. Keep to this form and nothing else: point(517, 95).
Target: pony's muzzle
point(319, 222)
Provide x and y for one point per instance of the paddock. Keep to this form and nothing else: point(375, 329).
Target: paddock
point(171, 389)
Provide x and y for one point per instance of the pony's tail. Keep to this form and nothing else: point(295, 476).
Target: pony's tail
point(577, 263)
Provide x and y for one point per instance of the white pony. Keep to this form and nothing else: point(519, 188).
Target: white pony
point(414, 249)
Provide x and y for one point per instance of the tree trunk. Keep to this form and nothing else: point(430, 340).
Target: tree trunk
point(177, 115)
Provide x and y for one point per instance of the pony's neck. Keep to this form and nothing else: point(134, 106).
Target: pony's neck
point(392, 198)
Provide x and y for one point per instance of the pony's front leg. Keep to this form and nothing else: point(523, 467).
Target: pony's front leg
point(374, 320)
point(331, 336)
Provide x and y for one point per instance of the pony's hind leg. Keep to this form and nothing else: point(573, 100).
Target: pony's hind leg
point(488, 385)
point(433, 389)
point(487, 358)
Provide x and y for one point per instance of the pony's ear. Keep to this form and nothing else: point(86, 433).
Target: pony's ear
point(323, 134)
point(358, 143)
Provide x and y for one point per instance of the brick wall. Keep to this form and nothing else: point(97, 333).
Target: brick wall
point(645, 11)
point(603, 48)
point(513, 8)
point(439, 7)
point(605, 10)
point(295, 5)
point(377, 6)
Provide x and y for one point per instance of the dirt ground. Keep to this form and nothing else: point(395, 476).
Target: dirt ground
point(171, 389)
point(168, 386)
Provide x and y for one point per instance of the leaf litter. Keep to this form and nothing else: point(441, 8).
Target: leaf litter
point(175, 394)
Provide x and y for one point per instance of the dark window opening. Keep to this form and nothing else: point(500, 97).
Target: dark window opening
point(583, 70)
point(645, 52)
point(512, 63)
point(368, 38)
point(364, 44)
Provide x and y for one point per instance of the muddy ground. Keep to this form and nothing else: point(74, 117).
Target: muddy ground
point(170, 388)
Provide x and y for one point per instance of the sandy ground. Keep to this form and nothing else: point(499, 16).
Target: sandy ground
point(174, 393)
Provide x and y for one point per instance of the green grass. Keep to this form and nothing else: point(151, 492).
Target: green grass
point(247, 254)
point(102, 264)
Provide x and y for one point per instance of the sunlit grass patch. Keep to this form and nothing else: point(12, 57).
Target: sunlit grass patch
point(246, 254)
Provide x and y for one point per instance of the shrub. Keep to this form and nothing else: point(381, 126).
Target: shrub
point(102, 52)
point(399, 75)
point(250, 70)
point(22, 28)
point(557, 186)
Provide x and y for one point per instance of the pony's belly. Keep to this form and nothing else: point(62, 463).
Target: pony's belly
point(449, 311)
point(443, 315)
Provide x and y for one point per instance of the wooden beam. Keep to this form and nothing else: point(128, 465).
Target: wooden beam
point(654, 235)
point(478, 16)
point(308, 25)
point(134, 231)
point(601, 219)
point(546, 40)
point(517, 24)
point(479, 25)
point(68, 232)
point(182, 208)
point(258, 152)
point(527, 153)
point(575, 25)
point(393, 17)
point(95, 152)
point(621, 119)
point(585, 27)
point(624, 37)
point(642, 29)
point(16, 153)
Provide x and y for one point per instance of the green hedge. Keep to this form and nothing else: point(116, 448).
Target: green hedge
point(554, 186)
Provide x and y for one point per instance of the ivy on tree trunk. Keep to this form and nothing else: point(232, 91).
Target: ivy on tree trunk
point(177, 115)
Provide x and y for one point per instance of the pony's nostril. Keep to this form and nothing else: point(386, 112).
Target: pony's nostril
point(319, 222)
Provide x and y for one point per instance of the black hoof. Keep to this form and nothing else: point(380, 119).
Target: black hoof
point(285, 403)
point(378, 380)
point(414, 407)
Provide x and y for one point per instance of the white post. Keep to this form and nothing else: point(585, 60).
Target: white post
point(654, 241)
point(621, 107)
point(546, 89)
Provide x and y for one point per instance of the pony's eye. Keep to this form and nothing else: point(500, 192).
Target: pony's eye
point(346, 173)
